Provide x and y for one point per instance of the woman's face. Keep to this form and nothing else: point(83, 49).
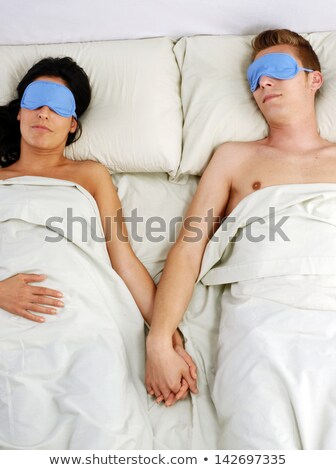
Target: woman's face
point(43, 128)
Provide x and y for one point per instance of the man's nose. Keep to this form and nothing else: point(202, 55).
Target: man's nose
point(266, 81)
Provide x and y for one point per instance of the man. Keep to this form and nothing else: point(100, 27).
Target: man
point(284, 79)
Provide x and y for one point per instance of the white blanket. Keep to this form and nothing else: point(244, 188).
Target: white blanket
point(275, 382)
point(76, 381)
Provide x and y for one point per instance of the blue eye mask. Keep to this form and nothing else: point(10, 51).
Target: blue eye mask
point(54, 95)
point(275, 65)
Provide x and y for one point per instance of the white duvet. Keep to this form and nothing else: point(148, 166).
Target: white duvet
point(275, 375)
point(76, 381)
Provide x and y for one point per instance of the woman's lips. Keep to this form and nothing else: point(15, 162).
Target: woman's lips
point(42, 128)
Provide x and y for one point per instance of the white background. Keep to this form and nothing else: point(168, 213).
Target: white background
point(48, 21)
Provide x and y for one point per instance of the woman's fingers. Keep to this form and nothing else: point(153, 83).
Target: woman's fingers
point(41, 309)
point(42, 296)
point(22, 299)
point(152, 388)
point(192, 384)
point(29, 316)
point(40, 299)
point(160, 399)
point(185, 395)
point(30, 277)
point(171, 400)
point(182, 393)
point(45, 291)
point(38, 290)
point(188, 359)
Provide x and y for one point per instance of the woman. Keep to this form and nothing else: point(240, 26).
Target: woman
point(44, 134)
point(83, 366)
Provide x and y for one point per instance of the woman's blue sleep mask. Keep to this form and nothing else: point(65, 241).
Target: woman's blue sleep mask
point(54, 95)
point(276, 65)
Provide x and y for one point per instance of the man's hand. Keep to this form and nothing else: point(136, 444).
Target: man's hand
point(167, 375)
point(20, 298)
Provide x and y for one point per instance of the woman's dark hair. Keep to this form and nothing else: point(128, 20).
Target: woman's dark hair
point(76, 80)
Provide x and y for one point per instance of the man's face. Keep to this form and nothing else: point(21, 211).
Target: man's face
point(276, 97)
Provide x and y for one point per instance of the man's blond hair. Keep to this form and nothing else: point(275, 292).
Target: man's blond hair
point(275, 37)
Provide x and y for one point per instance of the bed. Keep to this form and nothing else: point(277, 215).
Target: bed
point(165, 95)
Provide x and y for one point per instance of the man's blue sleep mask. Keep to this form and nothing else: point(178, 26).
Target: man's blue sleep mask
point(54, 95)
point(276, 65)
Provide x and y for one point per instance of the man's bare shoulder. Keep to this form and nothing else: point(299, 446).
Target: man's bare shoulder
point(240, 148)
point(235, 154)
point(229, 160)
point(329, 147)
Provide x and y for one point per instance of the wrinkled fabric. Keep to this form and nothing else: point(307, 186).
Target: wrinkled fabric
point(275, 376)
point(76, 381)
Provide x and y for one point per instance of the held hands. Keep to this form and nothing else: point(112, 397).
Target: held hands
point(170, 371)
point(20, 298)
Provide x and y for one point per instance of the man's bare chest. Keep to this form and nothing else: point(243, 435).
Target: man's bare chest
point(271, 172)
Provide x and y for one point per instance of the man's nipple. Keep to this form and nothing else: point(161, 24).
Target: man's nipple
point(256, 185)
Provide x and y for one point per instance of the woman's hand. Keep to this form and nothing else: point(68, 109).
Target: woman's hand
point(178, 345)
point(20, 298)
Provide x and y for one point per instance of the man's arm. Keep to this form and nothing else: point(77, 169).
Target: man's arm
point(165, 369)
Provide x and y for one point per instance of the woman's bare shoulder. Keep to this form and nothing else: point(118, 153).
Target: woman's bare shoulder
point(90, 175)
point(89, 166)
point(6, 173)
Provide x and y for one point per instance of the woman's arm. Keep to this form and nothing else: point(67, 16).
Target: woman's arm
point(165, 370)
point(122, 256)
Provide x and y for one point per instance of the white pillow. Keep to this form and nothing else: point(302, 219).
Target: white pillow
point(134, 122)
point(154, 216)
point(324, 44)
point(217, 103)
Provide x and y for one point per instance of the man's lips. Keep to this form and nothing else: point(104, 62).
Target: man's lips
point(271, 96)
